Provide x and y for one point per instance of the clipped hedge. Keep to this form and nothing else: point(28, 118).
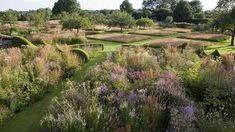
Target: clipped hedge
point(82, 54)
point(18, 41)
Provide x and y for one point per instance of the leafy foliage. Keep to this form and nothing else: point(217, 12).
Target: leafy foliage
point(126, 6)
point(69, 6)
point(183, 12)
point(145, 22)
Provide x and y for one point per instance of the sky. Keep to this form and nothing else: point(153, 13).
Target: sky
point(25, 5)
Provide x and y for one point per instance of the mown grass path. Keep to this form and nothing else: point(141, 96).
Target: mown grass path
point(29, 119)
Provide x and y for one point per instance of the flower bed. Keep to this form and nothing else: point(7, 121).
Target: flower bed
point(205, 36)
point(124, 38)
point(153, 32)
point(179, 30)
point(176, 42)
point(127, 92)
point(27, 74)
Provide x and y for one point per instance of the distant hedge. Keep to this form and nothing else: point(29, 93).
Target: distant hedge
point(184, 25)
point(199, 21)
point(18, 41)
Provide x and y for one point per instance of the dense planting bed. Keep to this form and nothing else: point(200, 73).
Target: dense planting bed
point(27, 74)
point(136, 89)
point(177, 42)
point(119, 37)
point(153, 32)
point(179, 30)
point(205, 36)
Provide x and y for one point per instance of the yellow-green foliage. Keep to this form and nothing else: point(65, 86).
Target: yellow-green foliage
point(82, 54)
point(18, 41)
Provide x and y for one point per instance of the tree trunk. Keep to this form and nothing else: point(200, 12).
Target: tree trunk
point(232, 39)
point(121, 28)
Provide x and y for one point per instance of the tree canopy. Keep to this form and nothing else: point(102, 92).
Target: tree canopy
point(226, 21)
point(74, 21)
point(121, 19)
point(39, 17)
point(145, 22)
point(69, 6)
point(127, 7)
point(155, 4)
point(8, 17)
point(183, 12)
point(197, 8)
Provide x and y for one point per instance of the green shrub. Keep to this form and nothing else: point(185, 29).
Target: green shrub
point(70, 40)
point(18, 41)
point(211, 86)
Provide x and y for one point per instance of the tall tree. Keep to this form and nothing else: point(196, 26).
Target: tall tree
point(121, 19)
point(8, 17)
point(155, 4)
point(225, 21)
point(69, 6)
point(127, 7)
point(197, 8)
point(183, 12)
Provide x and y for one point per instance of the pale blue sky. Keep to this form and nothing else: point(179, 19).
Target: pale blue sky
point(24, 5)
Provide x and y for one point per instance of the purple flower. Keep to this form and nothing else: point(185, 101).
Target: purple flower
point(113, 77)
point(120, 95)
point(189, 111)
point(103, 89)
point(132, 97)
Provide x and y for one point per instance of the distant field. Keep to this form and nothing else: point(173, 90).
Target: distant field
point(177, 42)
point(153, 32)
point(205, 36)
point(116, 37)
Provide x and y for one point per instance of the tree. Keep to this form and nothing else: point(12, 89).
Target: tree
point(76, 22)
point(126, 6)
point(8, 17)
point(226, 21)
point(69, 6)
point(161, 14)
point(40, 17)
point(226, 4)
point(197, 8)
point(183, 12)
point(155, 4)
point(121, 19)
point(145, 22)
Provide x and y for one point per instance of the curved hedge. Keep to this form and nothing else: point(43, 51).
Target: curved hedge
point(81, 53)
point(18, 41)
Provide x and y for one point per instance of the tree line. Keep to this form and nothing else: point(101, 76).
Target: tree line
point(167, 11)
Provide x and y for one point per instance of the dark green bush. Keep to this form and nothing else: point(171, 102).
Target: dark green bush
point(199, 21)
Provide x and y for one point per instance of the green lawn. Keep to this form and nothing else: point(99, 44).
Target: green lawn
point(222, 47)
